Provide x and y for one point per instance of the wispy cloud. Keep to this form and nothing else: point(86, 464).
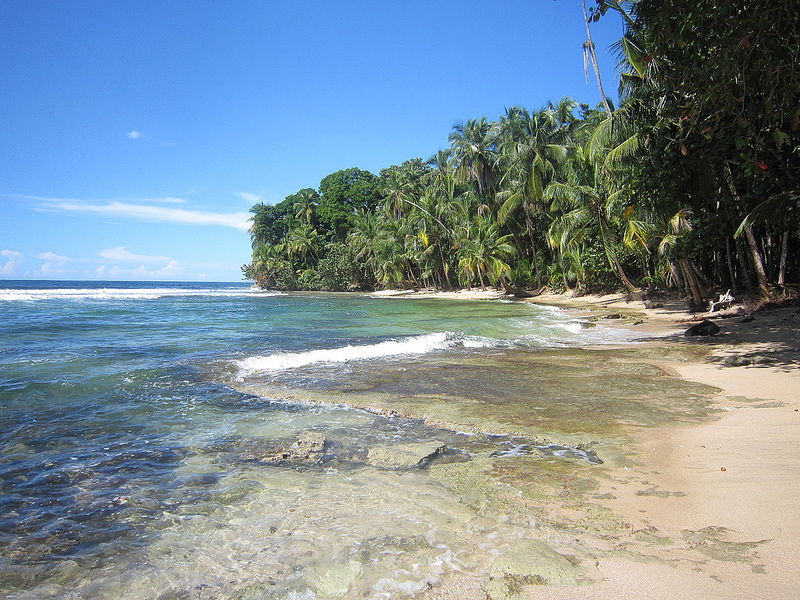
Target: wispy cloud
point(122, 254)
point(167, 200)
point(13, 259)
point(135, 135)
point(53, 257)
point(251, 198)
point(147, 213)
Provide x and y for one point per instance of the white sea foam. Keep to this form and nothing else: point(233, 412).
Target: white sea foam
point(421, 344)
point(11, 295)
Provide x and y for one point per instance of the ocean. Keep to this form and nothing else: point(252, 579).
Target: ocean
point(196, 440)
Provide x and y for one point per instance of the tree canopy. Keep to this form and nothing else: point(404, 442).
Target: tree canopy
point(692, 183)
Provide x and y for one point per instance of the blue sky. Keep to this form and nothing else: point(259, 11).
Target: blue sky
point(136, 134)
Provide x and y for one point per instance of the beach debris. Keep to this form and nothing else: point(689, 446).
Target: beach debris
point(404, 456)
point(704, 328)
point(723, 302)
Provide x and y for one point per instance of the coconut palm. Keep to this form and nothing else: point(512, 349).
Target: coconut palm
point(473, 145)
point(583, 199)
point(305, 206)
point(532, 146)
point(483, 252)
point(303, 242)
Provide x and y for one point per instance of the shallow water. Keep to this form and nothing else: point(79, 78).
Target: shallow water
point(140, 423)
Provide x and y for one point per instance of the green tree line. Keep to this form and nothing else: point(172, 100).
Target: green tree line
point(692, 183)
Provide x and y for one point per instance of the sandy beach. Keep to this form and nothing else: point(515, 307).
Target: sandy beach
point(737, 475)
point(708, 510)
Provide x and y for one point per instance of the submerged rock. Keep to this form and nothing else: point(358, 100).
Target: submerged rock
point(307, 447)
point(529, 563)
point(705, 328)
point(399, 456)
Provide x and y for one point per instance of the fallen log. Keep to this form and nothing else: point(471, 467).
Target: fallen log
point(736, 311)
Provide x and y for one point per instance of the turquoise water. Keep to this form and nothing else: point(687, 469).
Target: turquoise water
point(126, 453)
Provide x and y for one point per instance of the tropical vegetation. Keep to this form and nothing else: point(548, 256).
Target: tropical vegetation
point(692, 183)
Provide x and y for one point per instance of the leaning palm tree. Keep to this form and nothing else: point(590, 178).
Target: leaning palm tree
point(583, 198)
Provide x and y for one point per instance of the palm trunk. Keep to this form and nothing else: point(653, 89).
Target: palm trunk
point(744, 264)
point(589, 45)
point(694, 285)
point(622, 275)
point(731, 270)
point(758, 262)
point(444, 268)
point(534, 258)
point(784, 257)
point(675, 273)
point(605, 228)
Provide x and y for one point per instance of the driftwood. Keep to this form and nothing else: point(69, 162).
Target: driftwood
point(724, 302)
point(520, 293)
point(737, 311)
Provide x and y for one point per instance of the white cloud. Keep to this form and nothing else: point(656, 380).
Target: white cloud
point(172, 271)
point(135, 135)
point(167, 200)
point(53, 265)
point(53, 257)
point(121, 253)
point(14, 258)
point(144, 212)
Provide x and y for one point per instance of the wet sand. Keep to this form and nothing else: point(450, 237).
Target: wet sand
point(702, 510)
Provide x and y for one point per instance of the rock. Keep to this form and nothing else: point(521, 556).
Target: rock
point(704, 328)
point(399, 456)
point(743, 360)
point(530, 562)
point(308, 443)
point(748, 320)
point(307, 447)
point(650, 304)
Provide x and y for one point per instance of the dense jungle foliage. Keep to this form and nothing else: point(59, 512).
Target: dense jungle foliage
point(693, 182)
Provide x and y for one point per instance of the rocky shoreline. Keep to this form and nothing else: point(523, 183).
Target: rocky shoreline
point(674, 507)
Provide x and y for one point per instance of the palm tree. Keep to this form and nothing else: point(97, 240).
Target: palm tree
point(473, 145)
point(589, 53)
point(303, 241)
point(306, 205)
point(363, 238)
point(582, 199)
point(532, 146)
point(483, 252)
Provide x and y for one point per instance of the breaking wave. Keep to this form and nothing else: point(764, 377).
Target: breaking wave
point(420, 344)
